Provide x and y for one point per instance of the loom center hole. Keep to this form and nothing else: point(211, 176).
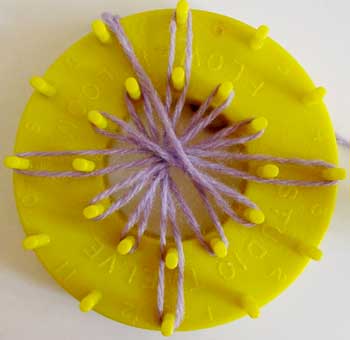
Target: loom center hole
point(183, 182)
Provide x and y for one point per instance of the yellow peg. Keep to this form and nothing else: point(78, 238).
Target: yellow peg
point(168, 324)
point(133, 88)
point(182, 9)
point(315, 96)
point(260, 35)
point(254, 216)
point(100, 29)
point(250, 306)
point(178, 78)
point(19, 163)
point(126, 244)
point(35, 241)
point(93, 211)
point(334, 174)
point(309, 251)
point(97, 119)
point(268, 171)
point(171, 258)
point(89, 302)
point(224, 90)
point(83, 165)
point(257, 125)
point(42, 86)
point(297, 245)
point(219, 248)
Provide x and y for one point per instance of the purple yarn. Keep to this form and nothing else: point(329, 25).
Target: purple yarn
point(248, 177)
point(196, 119)
point(192, 221)
point(148, 200)
point(100, 172)
point(188, 64)
point(110, 152)
point(180, 303)
point(202, 123)
point(150, 119)
point(135, 117)
point(224, 155)
point(133, 178)
point(223, 133)
point(171, 58)
point(164, 190)
point(161, 148)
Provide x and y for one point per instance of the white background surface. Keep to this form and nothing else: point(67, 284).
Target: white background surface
point(33, 33)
